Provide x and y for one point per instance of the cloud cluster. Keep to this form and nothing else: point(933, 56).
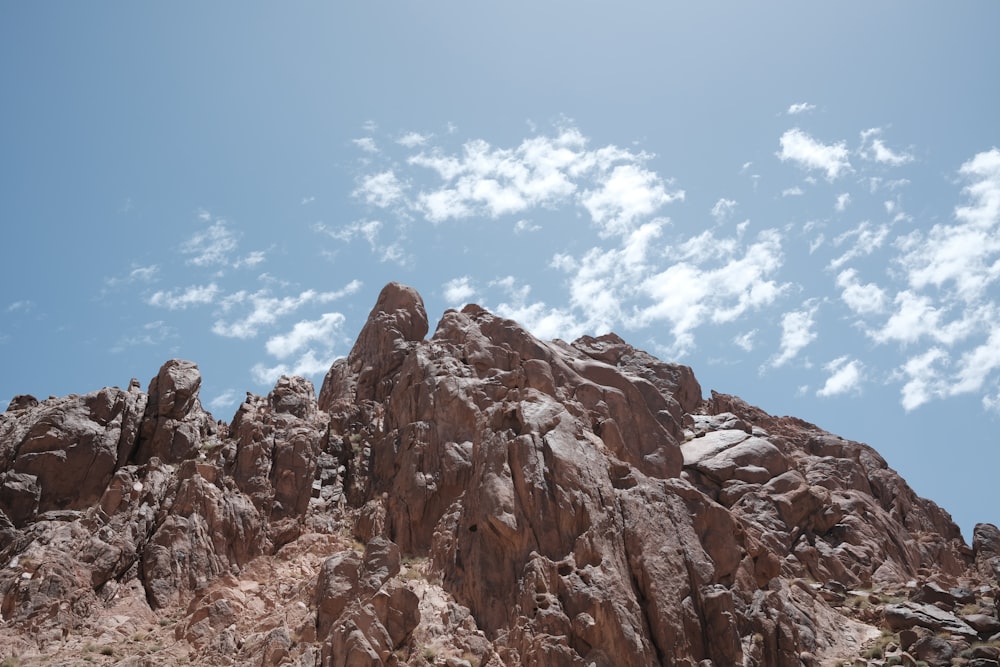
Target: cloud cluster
point(610, 183)
point(947, 300)
point(800, 148)
point(261, 309)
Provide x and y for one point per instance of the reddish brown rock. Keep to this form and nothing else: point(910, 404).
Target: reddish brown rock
point(174, 422)
point(478, 497)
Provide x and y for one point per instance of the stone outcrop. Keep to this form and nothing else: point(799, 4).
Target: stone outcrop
point(476, 497)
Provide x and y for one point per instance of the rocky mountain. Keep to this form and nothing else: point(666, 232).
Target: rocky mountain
point(479, 497)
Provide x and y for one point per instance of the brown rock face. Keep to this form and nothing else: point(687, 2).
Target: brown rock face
point(478, 497)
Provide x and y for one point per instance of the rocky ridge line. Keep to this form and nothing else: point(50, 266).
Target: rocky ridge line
point(480, 497)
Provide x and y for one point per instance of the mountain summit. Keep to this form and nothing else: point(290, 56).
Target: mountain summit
point(479, 497)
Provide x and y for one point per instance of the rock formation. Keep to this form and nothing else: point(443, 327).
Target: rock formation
point(479, 497)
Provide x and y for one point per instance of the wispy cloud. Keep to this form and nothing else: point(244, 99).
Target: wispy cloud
point(796, 333)
point(459, 291)
point(310, 364)
point(723, 209)
point(862, 240)
point(874, 148)
point(846, 376)
point(149, 334)
point(305, 333)
point(265, 309)
point(801, 107)
point(23, 305)
point(924, 378)
point(367, 144)
point(382, 189)
point(413, 139)
point(745, 341)
point(226, 400)
point(251, 259)
point(309, 347)
point(366, 229)
point(195, 295)
point(212, 245)
point(137, 274)
point(809, 153)
point(524, 226)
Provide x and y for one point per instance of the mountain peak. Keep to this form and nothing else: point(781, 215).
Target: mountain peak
point(477, 497)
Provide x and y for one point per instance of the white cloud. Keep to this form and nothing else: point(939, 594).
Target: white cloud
point(304, 333)
point(723, 209)
point(924, 378)
point(459, 291)
point(801, 107)
point(366, 229)
point(886, 156)
point(808, 153)
point(367, 144)
point(916, 316)
point(688, 295)
point(963, 258)
point(265, 309)
point(796, 333)
point(845, 376)
point(413, 139)
point(524, 226)
point(210, 246)
point(745, 341)
point(196, 295)
point(382, 189)
point(862, 299)
point(22, 305)
point(877, 151)
point(843, 199)
point(144, 274)
point(309, 364)
point(816, 243)
point(795, 191)
point(495, 181)
point(543, 321)
point(866, 239)
point(251, 260)
point(151, 333)
point(626, 194)
point(977, 364)
point(227, 399)
point(611, 183)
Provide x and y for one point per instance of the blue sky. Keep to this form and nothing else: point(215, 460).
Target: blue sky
point(800, 201)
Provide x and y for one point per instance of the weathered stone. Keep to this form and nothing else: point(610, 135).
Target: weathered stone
point(174, 423)
point(933, 650)
point(555, 504)
point(986, 550)
point(984, 624)
point(908, 614)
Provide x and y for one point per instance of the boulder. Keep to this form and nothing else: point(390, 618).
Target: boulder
point(986, 550)
point(908, 615)
point(173, 423)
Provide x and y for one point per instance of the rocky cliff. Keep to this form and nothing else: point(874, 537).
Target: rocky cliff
point(479, 497)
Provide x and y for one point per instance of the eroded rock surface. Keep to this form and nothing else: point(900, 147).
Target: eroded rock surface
point(478, 497)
